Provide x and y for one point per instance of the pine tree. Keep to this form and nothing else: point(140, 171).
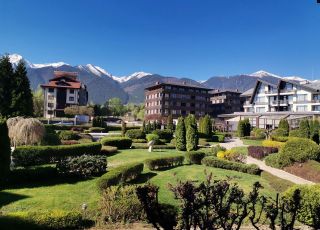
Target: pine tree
point(201, 125)
point(170, 125)
point(191, 133)
point(143, 127)
point(21, 104)
point(6, 76)
point(148, 127)
point(123, 128)
point(207, 126)
point(181, 135)
point(5, 151)
point(304, 128)
point(284, 127)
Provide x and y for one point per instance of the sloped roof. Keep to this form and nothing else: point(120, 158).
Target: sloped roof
point(247, 93)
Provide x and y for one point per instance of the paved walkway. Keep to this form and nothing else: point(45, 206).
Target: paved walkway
point(236, 142)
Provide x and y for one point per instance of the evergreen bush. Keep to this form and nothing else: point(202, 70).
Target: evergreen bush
point(180, 135)
point(119, 142)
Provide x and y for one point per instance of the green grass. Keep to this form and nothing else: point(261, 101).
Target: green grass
point(71, 194)
point(252, 142)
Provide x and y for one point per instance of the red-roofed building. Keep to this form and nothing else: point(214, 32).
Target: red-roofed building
point(62, 91)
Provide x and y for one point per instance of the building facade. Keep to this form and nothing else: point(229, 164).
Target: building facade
point(164, 99)
point(61, 91)
point(226, 101)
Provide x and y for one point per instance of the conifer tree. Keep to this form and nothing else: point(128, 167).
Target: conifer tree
point(21, 104)
point(6, 76)
point(153, 126)
point(143, 127)
point(191, 133)
point(5, 151)
point(170, 123)
point(207, 126)
point(181, 135)
point(123, 128)
point(148, 127)
point(284, 127)
point(304, 128)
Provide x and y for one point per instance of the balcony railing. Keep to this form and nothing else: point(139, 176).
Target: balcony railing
point(288, 91)
point(279, 102)
point(271, 92)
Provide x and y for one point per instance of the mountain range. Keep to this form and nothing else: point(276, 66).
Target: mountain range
point(102, 85)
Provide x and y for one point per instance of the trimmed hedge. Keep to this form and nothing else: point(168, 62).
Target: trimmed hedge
point(218, 138)
point(225, 164)
point(135, 134)
point(51, 138)
point(119, 142)
point(145, 146)
point(164, 134)
point(68, 135)
point(260, 152)
point(164, 162)
point(107, 150)
point(35, 155)
point(53, 219)
point(139, 140)
point(153, 137)
point(66, 127)
point(119, 175)
point(272, 160)
point(96, 130)
point(195, 157)
point(118, 128)
point(275, 144)
point(279, 138)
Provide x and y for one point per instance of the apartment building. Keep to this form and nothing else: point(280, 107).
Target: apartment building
point(61, 91)
point(275, 99)
point(226, 101)
point(163, 99)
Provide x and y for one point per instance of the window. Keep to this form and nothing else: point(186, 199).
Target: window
point(71, 91)
point(261, 109)
point(302, 97)
point(50, 105)
point(71, 98)
point(51, 90)
point(50, 97)
point(316, 108)
point(302, 108)
point(50, 112)
point(316, 97)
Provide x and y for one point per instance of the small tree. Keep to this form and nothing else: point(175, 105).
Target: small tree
point(191, 133)
point(207, 126)
point(123, 128)
point(244, 128)
point(38, 102)
point(79, 110)
point(143, 127)
point(148, 127)
point(5, 151)
point(99, 122)
point(170, 125)
point(284, 125)
point(181, 135)
point(116, 107)
point(304, 128)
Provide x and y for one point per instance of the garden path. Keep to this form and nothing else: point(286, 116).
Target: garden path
point(236, 142)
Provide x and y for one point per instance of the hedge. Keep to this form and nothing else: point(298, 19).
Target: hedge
point(118, 128)
point(66, 127)
point(164, 162)
point(145, 146)
point(164, 134)
point(275, 144)
point(218, 138)
point(97, 130)
point(135, 134)
point(153, 137)
point(119, 175)
point(139, 140)
point(35, 155)
point(279, 138)
point(225, 164)
point(272, 160)
point(119, 142)
point(53, 219)
point(108, 150)
point(260, 152)
point(68, 135)
point(195, 157)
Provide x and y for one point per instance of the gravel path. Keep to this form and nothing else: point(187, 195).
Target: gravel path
point(236, 142)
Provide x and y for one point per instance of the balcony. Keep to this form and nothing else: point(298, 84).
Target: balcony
point(271, 92)
point(279, 103)
point(315, 101)
point(288, 91)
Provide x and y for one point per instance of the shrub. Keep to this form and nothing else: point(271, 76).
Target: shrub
point(180, 135)
point(280, 132)
point(119, 142)
point(135, 134)
point(51, 139)
point(164, 162)
point(121, 204)
point(310, 201)
point(53, 219)
point(234, 155)
point(192, 138)
point(107, 150)
point(205, 126)
point(258, 133)
point(5, 151)
point(32, 174)
point(145, 146)
point(216, 149)
point(314, 130)
point(119, 175)
point(68, 135)
point(244, 128)
point(283, 127)
point(221, 154)
point(96, 130)
point(298, 150)
point(164, 134)
point(218, 138)
point(98, 121)
point(304, 128)
point(279, 138)
point(153, 137)
point(296, 133)
point(70, 142)
point(260, 152)
point(272, 160)
point(139, 140)
point(274, 144)
point(224, 164)
point(195, 157)
point(83, 166)
point(35, 155)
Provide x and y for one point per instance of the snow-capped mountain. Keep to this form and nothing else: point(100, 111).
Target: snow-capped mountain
point(262, 73)
point(96, 70)
point(136, 75)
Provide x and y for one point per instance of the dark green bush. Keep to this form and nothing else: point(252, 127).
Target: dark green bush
point(119, 175)
point(135, 134)
point(108, 150)
point(280, 132)
point(139, 140)
point(53, 219)
point(51, 139)
point(258, 133)
point(153, 137)
point(98, 121)
point(164, 162)
point(225, 164)
point(283, 128)
point(145, 146)
point(296, 133)
point(195, 157)
point(272, 160)
point(279, 138)
point(5, 151)
point(218, 138)
point(96, 130)
point(82, 166)
point(118, 128)
point(68, 135)
point(180, 135)
point(31, 174)
point(164, 134)
point(244, 128)
point(35, 155)
point(119, 142)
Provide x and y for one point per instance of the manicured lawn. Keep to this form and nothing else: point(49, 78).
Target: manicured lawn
point(252, 142)
point(71, 194)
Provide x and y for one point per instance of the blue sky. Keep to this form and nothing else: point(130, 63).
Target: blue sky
point(183, 38)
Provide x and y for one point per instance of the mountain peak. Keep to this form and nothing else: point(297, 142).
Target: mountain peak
point(262, 73)
point(135, 75)
point(54, 65)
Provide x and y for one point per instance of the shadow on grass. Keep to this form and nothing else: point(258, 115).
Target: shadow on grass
point(143, 178)
point(7, 198)
point(13, 223)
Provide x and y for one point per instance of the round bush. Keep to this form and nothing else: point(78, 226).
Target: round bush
point(195, 157)
point(298, 150)
point(68, 135)
point(51, 139)
point(135, 134)
point(153, 137)
point(119, 142)
point(164, 134)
